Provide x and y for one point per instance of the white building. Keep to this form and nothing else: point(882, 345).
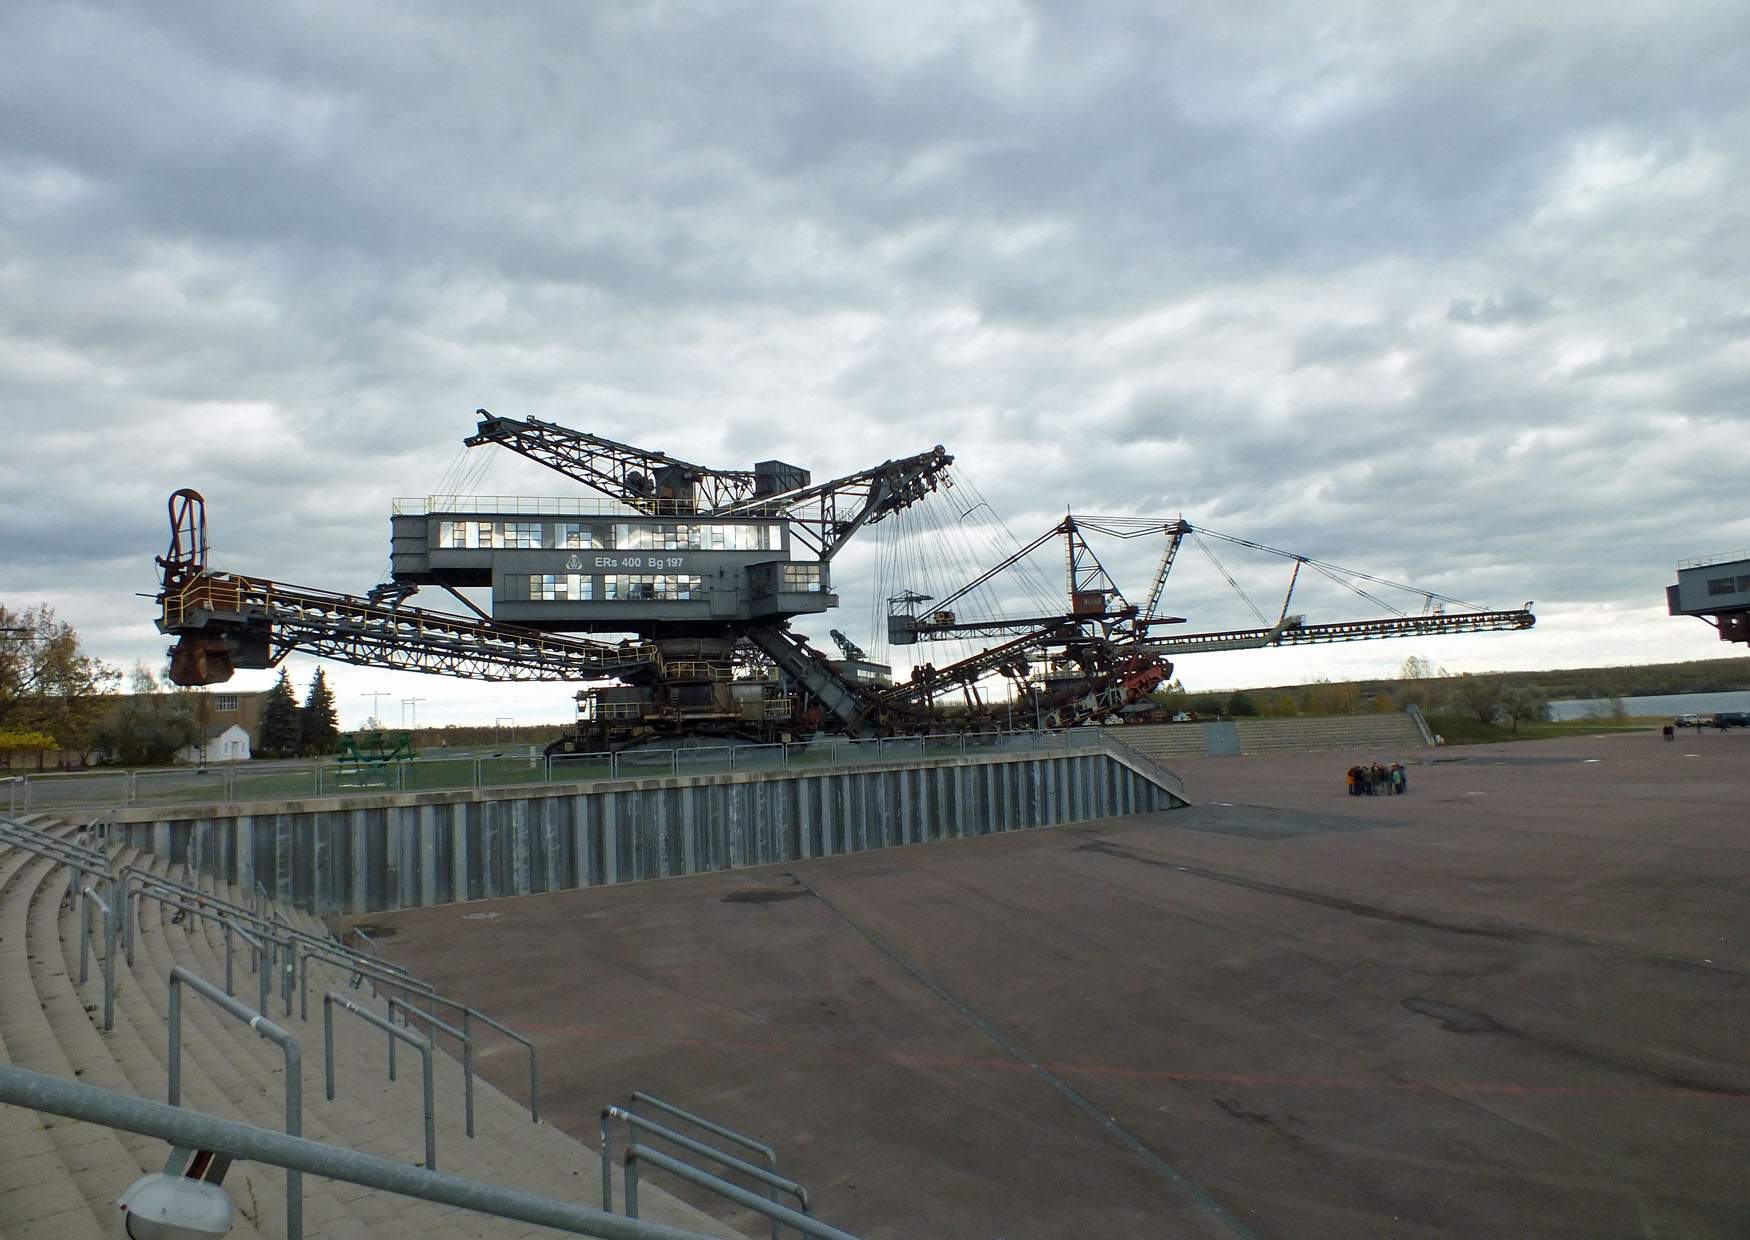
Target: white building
point(229, 745)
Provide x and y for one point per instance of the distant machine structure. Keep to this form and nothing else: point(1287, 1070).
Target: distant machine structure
point(699, 572)
point(1715, 589)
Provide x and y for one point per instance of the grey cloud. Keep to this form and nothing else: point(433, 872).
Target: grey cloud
point(1512, 306)
point(1138, 259)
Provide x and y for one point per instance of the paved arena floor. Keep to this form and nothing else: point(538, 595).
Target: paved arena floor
point(1515, 1002)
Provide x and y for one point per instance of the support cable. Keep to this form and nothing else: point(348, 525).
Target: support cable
point(1197, 536)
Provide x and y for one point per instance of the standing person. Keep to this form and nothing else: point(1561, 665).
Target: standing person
point(1397, 779)
point(1670, 733)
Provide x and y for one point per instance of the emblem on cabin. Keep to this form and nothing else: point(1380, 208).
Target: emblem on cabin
point(574, 564)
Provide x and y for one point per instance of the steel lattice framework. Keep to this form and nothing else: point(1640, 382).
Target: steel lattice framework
point(227, 621)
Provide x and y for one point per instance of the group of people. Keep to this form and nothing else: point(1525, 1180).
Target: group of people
point(1378, 780)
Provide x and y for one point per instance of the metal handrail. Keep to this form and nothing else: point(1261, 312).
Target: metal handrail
point(10, 823)
point(195, 1130)
point(636, 1122)
point(79, 861)
point(470, 1014)
point(302, 953)
point(409, 985)
point(219, 918)
point(281, 933)
point(639, 1097)
point(108, 954)
point(368, 941)
point(44, 845)
point(422, 1045)
point(85, 933)
point(803, 1223)
point(258, 1021)
point(407, 1009)
point(260, 962)
point(1160, 770)
point(277, 929)
point(48, 845)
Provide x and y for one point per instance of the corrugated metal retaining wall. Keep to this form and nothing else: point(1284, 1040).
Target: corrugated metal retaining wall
point(364, 854)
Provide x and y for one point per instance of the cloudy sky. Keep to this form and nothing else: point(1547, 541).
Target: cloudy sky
point(1455, 293)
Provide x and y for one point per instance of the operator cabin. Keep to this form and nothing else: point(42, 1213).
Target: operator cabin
point(585, 565)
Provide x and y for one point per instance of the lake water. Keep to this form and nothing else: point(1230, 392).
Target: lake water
point(1668, 705)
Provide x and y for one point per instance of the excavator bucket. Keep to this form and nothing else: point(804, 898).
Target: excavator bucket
point(198, 659)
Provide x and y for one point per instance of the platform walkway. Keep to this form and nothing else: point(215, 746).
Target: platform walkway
point(59, 1179)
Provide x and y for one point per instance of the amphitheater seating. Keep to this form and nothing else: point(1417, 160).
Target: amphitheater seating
point(1392, 731)
point(59, 1178)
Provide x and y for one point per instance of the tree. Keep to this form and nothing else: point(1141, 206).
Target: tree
point(318, 724)
point(24, 742)
point(280, 731)
point(48, 683)
point(1527, 704)
point(147, 727)
point(1479, 697)
point(1418, 668)
point(1240, 703)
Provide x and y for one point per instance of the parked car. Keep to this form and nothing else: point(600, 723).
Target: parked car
point(1687, 721)
point(1732, 719)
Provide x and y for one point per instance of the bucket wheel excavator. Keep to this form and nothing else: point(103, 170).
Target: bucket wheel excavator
point(671, 595)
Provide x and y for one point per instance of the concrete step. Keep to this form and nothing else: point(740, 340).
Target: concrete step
point(38, 1197)
point(100, 1059)
point(230, 1071)
point(376, 1116)
point(41, 1018)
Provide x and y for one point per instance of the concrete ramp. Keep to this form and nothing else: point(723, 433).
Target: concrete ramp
point(1393, 731)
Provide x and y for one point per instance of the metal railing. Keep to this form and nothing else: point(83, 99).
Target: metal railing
point(194, 1130)
point(220, 917)
point(1159, 771)
point(260, 958)
point(642, 1099)
point(53, 846)
point(304, 952)
point(422, 1045)
point(109, 945)
point(408, 1011)
point(79, 861)
point(635, 1123)
point(260, 963)
point(1707, 561)
point(258, 1021)
point(803, 1223)
point(283, 781)
point(273, 926)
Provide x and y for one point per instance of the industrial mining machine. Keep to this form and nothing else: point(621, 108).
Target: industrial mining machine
point(700, 574)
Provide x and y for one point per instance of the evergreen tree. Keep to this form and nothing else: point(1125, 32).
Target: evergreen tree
point(279, 721)
point(1240, 705)
point(319, 726)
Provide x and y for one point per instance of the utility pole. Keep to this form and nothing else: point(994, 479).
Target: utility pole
point(376, 696)
point(410, 711)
